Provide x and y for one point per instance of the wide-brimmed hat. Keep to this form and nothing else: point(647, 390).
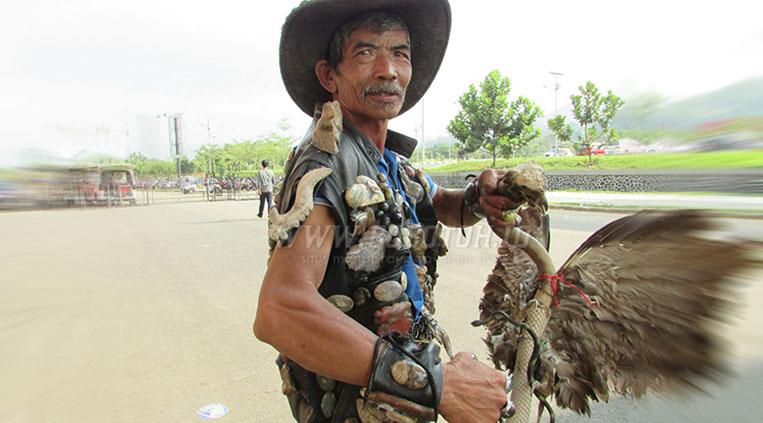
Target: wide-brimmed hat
point(308, 30)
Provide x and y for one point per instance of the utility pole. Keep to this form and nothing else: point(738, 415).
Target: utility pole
point(556, 98)
point(423, 153)
point(127, 138)
point(208, 126)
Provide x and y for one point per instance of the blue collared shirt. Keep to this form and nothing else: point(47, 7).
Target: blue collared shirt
point(388, 165)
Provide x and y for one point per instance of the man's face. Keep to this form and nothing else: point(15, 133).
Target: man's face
point(374, 73)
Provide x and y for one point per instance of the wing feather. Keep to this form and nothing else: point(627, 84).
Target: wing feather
point(662, 287)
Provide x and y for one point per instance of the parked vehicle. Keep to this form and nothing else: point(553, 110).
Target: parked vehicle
point(596, 151)
point(563, 152)
point(100, 185)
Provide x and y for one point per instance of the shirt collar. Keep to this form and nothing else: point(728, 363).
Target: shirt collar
point(397, 142)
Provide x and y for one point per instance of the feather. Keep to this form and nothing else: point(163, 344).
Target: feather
point(662, 289)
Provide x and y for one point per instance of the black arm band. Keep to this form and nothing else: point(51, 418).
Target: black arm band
point(407, 370)
point(471, 201)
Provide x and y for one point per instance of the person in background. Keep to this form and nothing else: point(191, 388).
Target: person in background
point(266, 180)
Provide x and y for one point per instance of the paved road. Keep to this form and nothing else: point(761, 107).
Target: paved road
point(748, 204)
point(144, 314)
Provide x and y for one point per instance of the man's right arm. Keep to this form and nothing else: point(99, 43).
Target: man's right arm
point(295, 319)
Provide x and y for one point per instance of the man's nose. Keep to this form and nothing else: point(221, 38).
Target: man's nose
point(384, 67)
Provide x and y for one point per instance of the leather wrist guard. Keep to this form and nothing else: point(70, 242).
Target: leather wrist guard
point(472, 198)
point(406, 375)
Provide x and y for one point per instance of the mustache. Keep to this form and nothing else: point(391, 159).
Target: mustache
point(386, 87)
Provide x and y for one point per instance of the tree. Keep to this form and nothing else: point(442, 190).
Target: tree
point(489, 122)
point(561, 129)
point(594, 114)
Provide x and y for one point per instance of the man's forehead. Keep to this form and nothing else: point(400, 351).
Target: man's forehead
point(395, 36)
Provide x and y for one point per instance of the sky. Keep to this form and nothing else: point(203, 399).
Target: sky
point(98, 77)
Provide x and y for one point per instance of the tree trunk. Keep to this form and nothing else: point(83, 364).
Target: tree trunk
point(494, 153)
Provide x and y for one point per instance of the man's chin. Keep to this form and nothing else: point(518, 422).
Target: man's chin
point(387, 110)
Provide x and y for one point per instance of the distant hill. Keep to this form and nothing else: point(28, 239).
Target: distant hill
point(650, 111)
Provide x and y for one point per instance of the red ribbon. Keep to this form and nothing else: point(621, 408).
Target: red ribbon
point(555, 279)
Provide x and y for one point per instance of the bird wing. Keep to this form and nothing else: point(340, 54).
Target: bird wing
point(661, 287)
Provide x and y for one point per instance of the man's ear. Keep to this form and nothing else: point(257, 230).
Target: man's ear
point(326, 75)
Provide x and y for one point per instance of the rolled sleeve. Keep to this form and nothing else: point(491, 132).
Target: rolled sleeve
point(432, 185)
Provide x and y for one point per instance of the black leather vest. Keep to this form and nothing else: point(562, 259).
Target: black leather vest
point(357, 155)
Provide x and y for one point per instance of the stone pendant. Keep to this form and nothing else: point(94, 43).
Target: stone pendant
point(342, 302)
point(364, 192)
point(328, 402)
point(361, 296)
point(409, 374)
point(368, 253)
point(388, 291)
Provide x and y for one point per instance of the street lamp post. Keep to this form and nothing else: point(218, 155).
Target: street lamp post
point(556, 98)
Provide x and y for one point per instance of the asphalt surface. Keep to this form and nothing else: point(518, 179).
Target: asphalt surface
point(145, 313)
point(743, 204)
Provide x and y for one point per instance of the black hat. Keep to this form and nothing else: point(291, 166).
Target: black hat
point(309, 28)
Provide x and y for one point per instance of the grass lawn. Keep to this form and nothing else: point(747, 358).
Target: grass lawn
point(712, 160)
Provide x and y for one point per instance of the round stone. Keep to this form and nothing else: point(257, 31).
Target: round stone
point(361, 296)
point(325, 383)
point(406, 242)
point(384, 221)
point(404, 281)
point(342, 302)
point(393, 230)
point(381, 177)
point(380, 214)
point(384, 206)
point(388, 193)
point(397, 244)
point(405, 232)
point(388, 291)
point(396, 217)
point(409, 374)
point(328, 402)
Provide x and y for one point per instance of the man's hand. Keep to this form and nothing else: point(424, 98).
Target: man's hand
point(492, 202)
point(471, 391)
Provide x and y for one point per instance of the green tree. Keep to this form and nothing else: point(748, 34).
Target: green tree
point(594, 114)
point(561, 129)
point(489, 122)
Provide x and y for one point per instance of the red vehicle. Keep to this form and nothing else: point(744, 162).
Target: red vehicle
point(101, 185)
point(594, 151)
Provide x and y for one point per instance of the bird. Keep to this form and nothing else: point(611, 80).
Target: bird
point(638, 307)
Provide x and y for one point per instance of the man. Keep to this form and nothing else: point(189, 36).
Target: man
point(266, 180)
point(347, 296)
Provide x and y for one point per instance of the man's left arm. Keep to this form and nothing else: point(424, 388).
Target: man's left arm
point(449, 203)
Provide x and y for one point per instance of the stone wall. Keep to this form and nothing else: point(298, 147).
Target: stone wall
point(714, 180)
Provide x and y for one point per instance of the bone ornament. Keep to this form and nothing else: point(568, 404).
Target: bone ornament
point(281, 224)
point(328, 129)
point(364, 192)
